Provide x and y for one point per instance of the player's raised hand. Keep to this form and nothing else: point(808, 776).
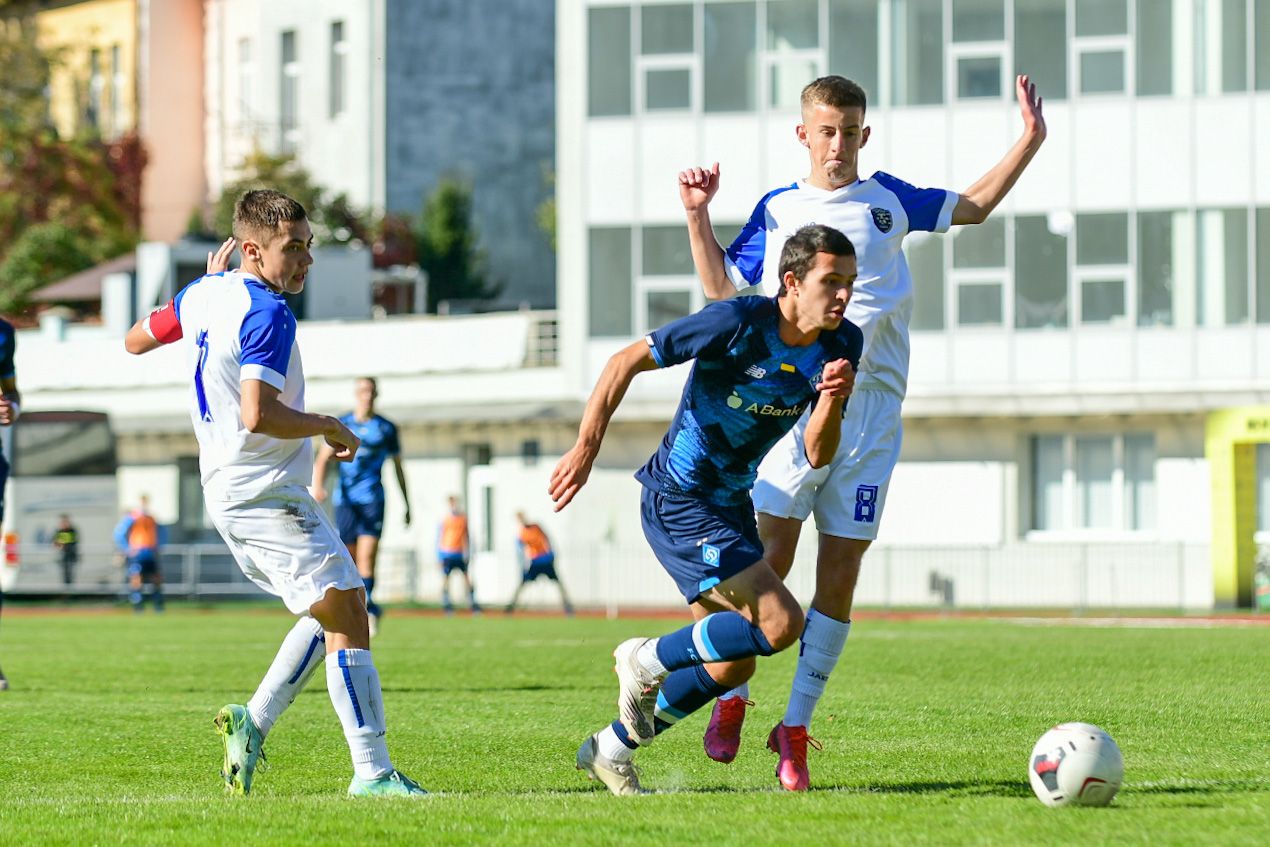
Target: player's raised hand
point(342, 441)
point(570, 475)
point(218, 261)
point(1030, 104)
point(837, 378)
point(697, 186)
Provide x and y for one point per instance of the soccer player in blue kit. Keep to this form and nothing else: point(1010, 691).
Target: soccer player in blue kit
point(359, 499)
point(760, 363)
point(848, 495)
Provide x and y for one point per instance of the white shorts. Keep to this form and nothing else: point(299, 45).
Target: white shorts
point(847, 495)
point(285, 543)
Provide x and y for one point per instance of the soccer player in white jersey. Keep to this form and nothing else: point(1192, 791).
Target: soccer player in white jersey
point(247, 406)
point(848, 495)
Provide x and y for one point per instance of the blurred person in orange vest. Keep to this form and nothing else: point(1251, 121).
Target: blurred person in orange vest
point(453, 548)
point(540, 560)
point(139, 536)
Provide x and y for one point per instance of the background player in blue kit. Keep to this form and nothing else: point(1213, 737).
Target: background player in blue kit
point(849, 495)
point(760, 363)
point(359, 497)
point(9, 399)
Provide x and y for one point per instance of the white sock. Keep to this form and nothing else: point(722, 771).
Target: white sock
point(611, 746)
point(742, 691)
point(301, 652)
point(353, 682)
point(822, 643)
point(647, 656)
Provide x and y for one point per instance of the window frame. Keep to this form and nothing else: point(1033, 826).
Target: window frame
point(1121, 507)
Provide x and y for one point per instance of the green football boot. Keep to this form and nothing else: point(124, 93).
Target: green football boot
point(395, 784)
point(244, 747)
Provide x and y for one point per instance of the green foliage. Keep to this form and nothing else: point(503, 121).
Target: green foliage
point(447, 246)
point(281, 173)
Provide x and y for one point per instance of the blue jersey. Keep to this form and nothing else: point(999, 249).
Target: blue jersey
point(360, 480)
point(746, 390)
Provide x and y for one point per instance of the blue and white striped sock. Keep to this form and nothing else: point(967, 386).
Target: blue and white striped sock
point(684, 692)
point(720, 637)
point(353, 683)
point(301, 652)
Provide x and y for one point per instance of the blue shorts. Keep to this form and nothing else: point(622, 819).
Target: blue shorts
point(144, 563)
point(698, 543)
point(357, 519)
point(452, 562)
point(544, 565)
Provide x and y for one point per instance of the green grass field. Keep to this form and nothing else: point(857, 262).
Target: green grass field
point(107, 736)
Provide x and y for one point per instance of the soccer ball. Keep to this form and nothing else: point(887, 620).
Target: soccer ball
point(1075, 764)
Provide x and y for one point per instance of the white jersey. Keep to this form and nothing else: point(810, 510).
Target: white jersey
point(237, 328)
point(875, 214)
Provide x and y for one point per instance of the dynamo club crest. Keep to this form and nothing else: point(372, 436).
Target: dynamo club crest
point(883, 219)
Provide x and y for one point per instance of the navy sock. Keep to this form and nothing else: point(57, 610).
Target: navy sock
point(624, 736)
point(720, 637)
point(682, 693)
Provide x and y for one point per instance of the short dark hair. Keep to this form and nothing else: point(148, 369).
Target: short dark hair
point(257, 214)
point(800, 250)
point(836, 91)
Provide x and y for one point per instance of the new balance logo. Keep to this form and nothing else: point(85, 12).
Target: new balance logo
point(755, 371)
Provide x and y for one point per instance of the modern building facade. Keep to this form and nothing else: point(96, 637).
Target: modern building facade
point(1069, 354)
point(381, 99)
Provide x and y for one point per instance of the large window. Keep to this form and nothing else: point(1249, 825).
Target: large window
point(978, 58)
point(853, 43)
point(289, 92)
point(96, 86)
point(118, 82)
point(1221, 267)
point(793, 49)
point(1040, 44)
point(666, 63)
point(611, 279)
point(925, 254)
point(608, 61)
point(1093, 482)
point(1159, 294)
point(337, 62)
point(1101, 49)
point(729, 70)
point(1154, 48)
point(1102, 268)
point(917, 31)
point(1040, 271)
point(1221, 46)
point(1263, 265)
point(979, 273)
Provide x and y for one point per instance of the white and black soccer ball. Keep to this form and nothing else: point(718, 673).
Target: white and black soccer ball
point(1076, 764)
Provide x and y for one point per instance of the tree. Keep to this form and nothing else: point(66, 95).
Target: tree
point(447, 246)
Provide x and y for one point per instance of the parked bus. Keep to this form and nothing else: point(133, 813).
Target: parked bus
point(62, 463)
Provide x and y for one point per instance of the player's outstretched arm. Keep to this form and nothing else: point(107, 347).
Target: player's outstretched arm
point(824, 426)
point(575, 466)
point(697, 187)
point(978, 201)
point(263, 413)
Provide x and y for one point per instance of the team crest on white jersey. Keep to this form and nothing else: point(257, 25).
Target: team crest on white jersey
point(883, 219)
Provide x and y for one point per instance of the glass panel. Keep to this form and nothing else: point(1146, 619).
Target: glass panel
point(980, 77)
point(609, 61)
point(666, 251)
point(1102, 72)
point(1139, 481)
point(1263, 488)
point(925, 254)
point(1263, 266)
point(1047, 482)
point(1101, 300)
point(1040, 274)
point(978, 20)
point(1234, 46)
point(1040, 44)
point(853, 42)
point(665, 29)
point(63, 444)
point(1102, 239)
point(1221, 266)
point(1155, 47)
point(981, 246)
point(792, 24)
point(1094, 466)
point(918, 51)
point(335, 93)
point(666, 306)
point(979, 304)
point(789, 77)
point(730, 51)
point(289, 91)
point(1102, 17)
point(610, 281)
point(1156, 268)
point(1261, 44)
point(668, 89)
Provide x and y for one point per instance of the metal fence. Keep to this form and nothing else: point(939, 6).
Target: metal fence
point(1035, 575)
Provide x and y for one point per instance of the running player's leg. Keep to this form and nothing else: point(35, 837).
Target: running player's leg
point(155, 576)
point(471, 590)
point(366, 556)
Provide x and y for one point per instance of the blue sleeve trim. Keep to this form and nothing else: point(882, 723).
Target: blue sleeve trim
point(743, 260)
point(652, 348)
point(924, 207)
point(267, 332)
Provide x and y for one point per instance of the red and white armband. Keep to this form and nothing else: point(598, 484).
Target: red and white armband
point(163, 325)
